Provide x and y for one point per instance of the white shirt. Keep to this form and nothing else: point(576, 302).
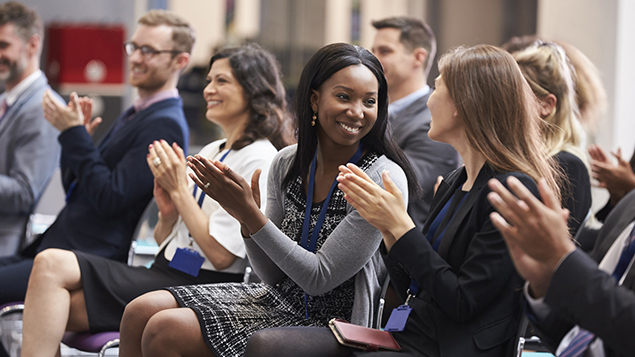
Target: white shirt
point(222, 226)
point(13, 94)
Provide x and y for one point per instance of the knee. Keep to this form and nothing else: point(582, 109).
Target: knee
point(160, 334)
point(52, 262)
point(265, 343)
point(140, 310)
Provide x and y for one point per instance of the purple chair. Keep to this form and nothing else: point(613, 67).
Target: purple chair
point(83, 341)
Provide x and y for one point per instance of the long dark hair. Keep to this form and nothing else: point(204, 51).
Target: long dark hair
point(257, 73)
point(324, 63)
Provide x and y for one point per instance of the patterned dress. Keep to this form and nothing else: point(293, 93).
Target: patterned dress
point(230, 313)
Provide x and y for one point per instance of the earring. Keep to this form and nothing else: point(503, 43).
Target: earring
point(314, 118)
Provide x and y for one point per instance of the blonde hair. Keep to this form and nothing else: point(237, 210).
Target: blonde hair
point(183, 34)
point(548, 71)
point(499, 111)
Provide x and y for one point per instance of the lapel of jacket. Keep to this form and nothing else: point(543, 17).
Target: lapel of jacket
point(23, 98)
point(450, 234)
point(444, 193)
point(408, 112)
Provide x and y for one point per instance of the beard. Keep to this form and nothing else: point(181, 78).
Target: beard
point(15, 69)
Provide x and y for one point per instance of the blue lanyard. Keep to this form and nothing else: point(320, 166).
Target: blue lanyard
point(202, 197)
point(305, 242)
point(413, 289)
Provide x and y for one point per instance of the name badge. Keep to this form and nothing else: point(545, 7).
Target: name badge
point(188, 261)
point(398, 317)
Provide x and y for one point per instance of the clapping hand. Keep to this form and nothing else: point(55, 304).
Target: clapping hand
point(383, 208)
point(536, 234)
point(617, 179)
point(240, 199)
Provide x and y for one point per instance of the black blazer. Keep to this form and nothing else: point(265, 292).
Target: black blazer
point(114, 183)
point(581, 294)
point(470, 299)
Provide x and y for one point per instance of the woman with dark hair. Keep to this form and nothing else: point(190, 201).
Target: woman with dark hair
point(317, 256)
point(456, 277)
point(76, 291)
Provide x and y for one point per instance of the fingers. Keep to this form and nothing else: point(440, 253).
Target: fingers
point(598, 154)
point(358, 172)
point(390, 185)
point(179, 152)
point(527, 199)
point(438, 183)
point(547, 196)
point(91, 127)
point(255, 186)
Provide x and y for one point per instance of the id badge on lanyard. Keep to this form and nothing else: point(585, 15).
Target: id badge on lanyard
point(399, 316)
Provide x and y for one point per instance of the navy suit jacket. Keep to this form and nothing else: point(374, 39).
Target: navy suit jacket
point(469, 300)
point(581, 294)
point(113, 182)
point(29, 153)
point(428, 158)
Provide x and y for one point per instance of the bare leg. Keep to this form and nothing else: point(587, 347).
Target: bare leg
point(174, 332)
point(54, 279)
point(136, 316)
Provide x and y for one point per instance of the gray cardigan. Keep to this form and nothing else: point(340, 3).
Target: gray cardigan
point(351, 250)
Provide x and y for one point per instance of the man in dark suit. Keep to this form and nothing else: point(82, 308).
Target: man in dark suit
point(29, 151)
point(406, 47)
point(567, 291)
point(109, 186)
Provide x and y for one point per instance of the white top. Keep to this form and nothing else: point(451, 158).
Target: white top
point(13, 94)
point(223, 227)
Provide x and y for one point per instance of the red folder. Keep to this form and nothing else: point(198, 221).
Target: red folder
point(364, 338)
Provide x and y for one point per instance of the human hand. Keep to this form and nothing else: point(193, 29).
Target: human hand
point(437, 184)
point(230, 190)
point(167, 209)
point(86, 104)
point(168, 166)
point(536, 234)
point(60, 116)
point(617, 179)
point(384, 209)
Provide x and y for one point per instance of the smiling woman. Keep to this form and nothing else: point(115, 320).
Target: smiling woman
point(317, 256)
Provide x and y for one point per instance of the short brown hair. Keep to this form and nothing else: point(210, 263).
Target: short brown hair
point(414, 34)
point(26, 21)
point(183, 34)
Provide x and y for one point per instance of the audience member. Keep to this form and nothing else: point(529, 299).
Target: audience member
point(574, 301)
point(546, 69)
point(617, 179)
point(109, 186)
point(590, 95)
point(406, 46)
point(341, 109)
point(246, 98)
point(29, 151)
point(456, 275)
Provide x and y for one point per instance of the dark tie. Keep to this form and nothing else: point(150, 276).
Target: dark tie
point(580, 342)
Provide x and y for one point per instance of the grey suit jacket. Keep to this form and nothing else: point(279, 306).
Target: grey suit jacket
point(581, 294)
point(29, 153)
point(428, 158)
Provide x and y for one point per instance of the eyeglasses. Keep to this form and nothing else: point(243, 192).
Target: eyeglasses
point(146, 51)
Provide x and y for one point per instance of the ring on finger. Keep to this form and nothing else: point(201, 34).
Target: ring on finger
point(156, 162)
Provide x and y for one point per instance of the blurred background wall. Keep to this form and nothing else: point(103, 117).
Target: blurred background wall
point(294, 29)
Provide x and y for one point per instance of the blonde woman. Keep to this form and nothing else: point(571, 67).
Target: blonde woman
point(546, 68)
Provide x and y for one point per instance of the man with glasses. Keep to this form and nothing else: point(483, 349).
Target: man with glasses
point(108, 186)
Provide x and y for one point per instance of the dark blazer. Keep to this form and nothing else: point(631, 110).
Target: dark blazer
point(577, 189)
point(29, 153)
point(469, 303)
point(581, 294)
point(428, 158)
point(113, 182)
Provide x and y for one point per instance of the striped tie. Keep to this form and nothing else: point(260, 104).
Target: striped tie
point(578, 345)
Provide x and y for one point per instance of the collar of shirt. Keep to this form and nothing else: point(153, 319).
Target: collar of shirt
point(398, 105)
point(141, 104)
point(14, 93)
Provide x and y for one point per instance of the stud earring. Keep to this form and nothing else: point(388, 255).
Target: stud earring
point(313, 119)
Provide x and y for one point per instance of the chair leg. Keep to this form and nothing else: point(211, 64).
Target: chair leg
point(110, 344)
